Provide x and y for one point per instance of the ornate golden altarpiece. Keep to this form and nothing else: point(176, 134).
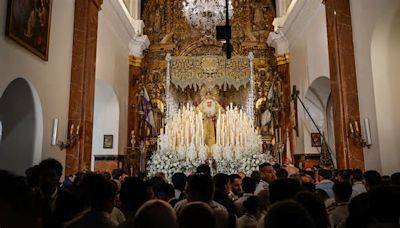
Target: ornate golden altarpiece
point(199, 55)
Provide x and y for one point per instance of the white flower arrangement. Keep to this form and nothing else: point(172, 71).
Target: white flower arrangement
point(170, 163)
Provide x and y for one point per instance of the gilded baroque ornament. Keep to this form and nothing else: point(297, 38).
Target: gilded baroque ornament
point(210, 71)
point(198, 58)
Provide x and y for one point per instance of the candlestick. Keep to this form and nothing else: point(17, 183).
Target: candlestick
point(77, 129)
point(351, 128)
point(356, 124)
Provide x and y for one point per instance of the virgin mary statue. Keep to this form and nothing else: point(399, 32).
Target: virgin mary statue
point(210, 107)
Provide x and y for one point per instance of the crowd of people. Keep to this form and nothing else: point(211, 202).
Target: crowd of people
point(273, 196)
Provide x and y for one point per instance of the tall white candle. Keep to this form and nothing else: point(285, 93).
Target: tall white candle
point(367, 132)
point(54, 132)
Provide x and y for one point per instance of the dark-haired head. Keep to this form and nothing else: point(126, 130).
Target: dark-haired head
point(288, 213)
point(179, 181)
point(50, 173)
point(203, 168)
point(372, 179)
point(200, 187)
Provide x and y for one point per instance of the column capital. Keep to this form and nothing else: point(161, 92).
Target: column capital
point(136, 61)
point(278, 41)
point(138, 44)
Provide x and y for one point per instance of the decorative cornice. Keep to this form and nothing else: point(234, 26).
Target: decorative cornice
point(282, 59)
point(278, 41)
point(138, 44)
point(298, 15)
point(98, 3)
point(125, 25)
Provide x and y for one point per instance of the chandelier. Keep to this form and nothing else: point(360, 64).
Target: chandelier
point(206, 14)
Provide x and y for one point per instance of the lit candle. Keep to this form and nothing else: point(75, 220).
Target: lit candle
point(356, 124)
point(71, 130)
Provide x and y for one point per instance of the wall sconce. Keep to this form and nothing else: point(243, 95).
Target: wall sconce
point(72, 138)
point(355, 133)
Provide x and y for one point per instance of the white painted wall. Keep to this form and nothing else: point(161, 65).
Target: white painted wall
point(51, 79)
point(105, 119)
point(376, 35)
point(308, 61)
point(112, 68)
point(22, 127)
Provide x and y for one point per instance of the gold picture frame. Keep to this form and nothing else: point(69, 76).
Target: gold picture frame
point(108, 141)
point(28, 24)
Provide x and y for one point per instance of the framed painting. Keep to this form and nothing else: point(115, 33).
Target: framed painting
point(108, 141)
point(28, 24)
point(316, 140)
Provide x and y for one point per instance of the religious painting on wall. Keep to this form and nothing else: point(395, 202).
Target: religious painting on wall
point(108, 141)
point(28, 24)
point(316, 140)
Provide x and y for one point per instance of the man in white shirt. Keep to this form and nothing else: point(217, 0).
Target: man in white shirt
point(268, 175)
point(249, 185)
point(358, 185)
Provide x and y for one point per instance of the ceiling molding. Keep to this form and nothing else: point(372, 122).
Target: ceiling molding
point(122, 22)
point(296, 19)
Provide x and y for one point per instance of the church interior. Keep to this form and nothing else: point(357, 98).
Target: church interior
point(159, 87)
point(322, 86)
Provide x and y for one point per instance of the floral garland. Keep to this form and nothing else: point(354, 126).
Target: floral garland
point(169, 163)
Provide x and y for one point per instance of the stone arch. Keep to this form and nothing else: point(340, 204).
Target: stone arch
point(22, 126)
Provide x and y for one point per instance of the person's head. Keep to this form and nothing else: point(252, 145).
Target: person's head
point(157, 182)
point(372, 179)
point(221, 182)
point(249, 185)
point(102, 193)
point(395, 178)
point(133, 193)
point(50, 173)
point(344, 175)
point(179, 181)
point(263, 196)
point(16, 202)
point(235, 182)
point(117, 173)
point(288, 213)
point(324, 174)
point(385, 203)
point(256, 176)
point(166, 192)
point(197, 215)
point(165, 215)
point(315, 208)
point(357, 175)
point(200, 187)
point(282, 173)
point(283, 189)
point(203, 168)
point(33, 176)
point(342, 191)
point(252, 205)
point(307, 177)
point(267, 172)
point(360, 214)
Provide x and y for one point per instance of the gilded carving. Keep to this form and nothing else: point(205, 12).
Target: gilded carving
point(168, 31)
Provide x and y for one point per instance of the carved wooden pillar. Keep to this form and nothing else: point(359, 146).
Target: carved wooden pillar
point(349, 153)
point(136, 67)
point(81, 102)
point(135, 71)
point(278, 41)
point(287, 128)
